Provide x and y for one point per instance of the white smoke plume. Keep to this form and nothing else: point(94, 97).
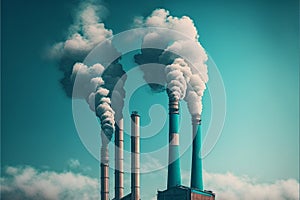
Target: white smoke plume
point(194, 94)
point(87, 31)
point(164, 47)
point(114, 77)
point(177, 76)
point(87, 79)
point(104, 111)
point(89, 86)
point(192, 100)
point(162, 18)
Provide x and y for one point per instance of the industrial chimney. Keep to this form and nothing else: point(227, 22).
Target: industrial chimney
point(196, 174)
point(195, 192)
point(174, 175)
point(135, 156)
point(119, 160)
point(104, 168)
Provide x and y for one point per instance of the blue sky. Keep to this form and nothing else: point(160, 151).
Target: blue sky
point(255, 45)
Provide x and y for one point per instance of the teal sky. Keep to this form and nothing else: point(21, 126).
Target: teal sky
point(255, 45)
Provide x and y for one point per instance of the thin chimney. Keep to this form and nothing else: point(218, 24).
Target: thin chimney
point(135, 156)
point(119, 160)
point(196, 174)
point(104, 168)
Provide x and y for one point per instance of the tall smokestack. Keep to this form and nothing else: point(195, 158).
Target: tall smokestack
point(196, 174)
point(104, 168)
point(119, 158)
point(174, 175)
point(135, 156)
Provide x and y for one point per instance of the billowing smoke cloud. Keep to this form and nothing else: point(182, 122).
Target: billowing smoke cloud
point(104, 111)
point(84, 34)
point(194, 95)
point(177, 76)
point(165, 46)
point(89, 86)
point(87, 80)
point(162, 18)
point(114, 77)
point(101, 85)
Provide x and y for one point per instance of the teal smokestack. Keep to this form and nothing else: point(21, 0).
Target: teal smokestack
point(174, 174)
point(196, 175)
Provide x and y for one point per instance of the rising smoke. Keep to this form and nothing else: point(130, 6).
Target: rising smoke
point(90, 86)
point(166, 47)
point(177, 77)
point(98, 83)
point(184, 76)
point(87, 80)
point(104, 111)
point(84, 34)
point(114, 78)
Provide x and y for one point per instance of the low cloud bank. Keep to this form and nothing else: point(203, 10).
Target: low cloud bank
point(30, 183)
point(231, 187)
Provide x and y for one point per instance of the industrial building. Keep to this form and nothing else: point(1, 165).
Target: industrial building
point(175, 190)
point(185, 193)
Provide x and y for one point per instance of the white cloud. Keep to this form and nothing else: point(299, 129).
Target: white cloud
point(30, 183)
point(231, 187)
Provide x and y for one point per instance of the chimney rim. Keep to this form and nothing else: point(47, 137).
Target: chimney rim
point(135, 113)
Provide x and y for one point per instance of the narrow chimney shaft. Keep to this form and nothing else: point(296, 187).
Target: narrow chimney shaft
point(196, 174)
point(135, 156)
point(104, 168)
point(174, 174)
point(119, 160)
